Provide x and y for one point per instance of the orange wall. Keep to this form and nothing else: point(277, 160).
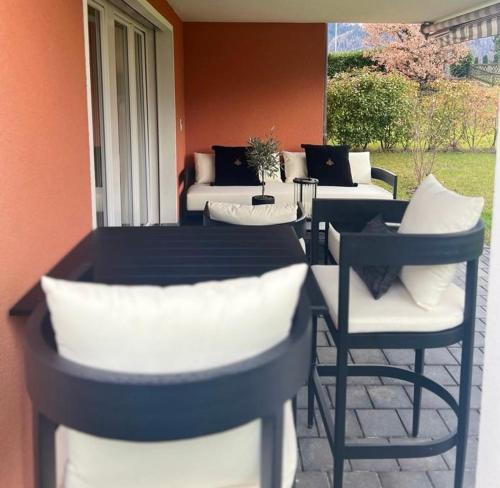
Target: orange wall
point(241, 79)
point(45, 205)
point(44, 182)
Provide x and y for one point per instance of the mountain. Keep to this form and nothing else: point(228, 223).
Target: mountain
point(482, 47)
point(350, 38)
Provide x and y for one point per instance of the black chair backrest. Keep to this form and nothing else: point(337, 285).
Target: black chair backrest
point(394, 249)
point(349, 215)
point(160, 407)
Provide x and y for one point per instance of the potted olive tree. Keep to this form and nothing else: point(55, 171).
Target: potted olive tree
point(262, 156)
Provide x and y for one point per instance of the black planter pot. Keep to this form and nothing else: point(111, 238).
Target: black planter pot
point(262, 200)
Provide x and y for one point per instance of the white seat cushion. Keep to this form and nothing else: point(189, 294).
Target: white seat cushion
point(361, 191)
point(434, 209)
point(334, 243)
point(149, 329)
point(396, 311)
point(199, 194)
point(302, 243)
point(237, 214)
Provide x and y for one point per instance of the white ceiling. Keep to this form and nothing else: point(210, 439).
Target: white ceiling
point(405, 11)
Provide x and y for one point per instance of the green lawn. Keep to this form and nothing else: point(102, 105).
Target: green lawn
point(465, 173)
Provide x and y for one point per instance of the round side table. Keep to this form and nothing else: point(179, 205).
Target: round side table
point(304, 190)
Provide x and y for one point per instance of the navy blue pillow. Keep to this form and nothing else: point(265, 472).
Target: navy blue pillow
point(378, 279)
point(329, 164)
point(231, 167)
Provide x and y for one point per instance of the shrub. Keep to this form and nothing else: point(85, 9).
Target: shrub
point(468, 112)
point(347, 61)
point(462, 68)
point(366, 106)
point(479, 115)
point(449, 99)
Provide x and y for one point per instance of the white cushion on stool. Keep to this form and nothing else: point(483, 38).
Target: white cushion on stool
point(433, 209)
point(235, 213)
point(334, 243)
point(396, 311)
point(302, 243)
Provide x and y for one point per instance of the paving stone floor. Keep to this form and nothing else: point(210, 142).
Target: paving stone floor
point(382, 409)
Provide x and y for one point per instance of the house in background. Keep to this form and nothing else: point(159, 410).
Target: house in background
point(104, 102)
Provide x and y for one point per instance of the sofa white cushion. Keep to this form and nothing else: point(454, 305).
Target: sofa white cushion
point(334, 243)
point(148, 329)
point(235, 213)
point(396, 311)
point(295, 165)
point(433, 209)
point(199, 194)
point(361, 168)
point(204, 165)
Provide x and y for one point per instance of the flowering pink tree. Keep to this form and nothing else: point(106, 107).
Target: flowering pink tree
point(403, 48)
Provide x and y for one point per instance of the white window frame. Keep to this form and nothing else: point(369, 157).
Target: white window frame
point(161, 117)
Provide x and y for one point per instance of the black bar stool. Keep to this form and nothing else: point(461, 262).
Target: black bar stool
point(149, 408)
point(383, 250)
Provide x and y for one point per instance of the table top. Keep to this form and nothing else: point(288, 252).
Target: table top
point(176, 255)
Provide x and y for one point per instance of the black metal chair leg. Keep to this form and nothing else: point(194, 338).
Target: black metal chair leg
point(294, 410)
point(417, 391)
point(340, 416)
point(44, 451)
point(310, 384)
point(463, 407)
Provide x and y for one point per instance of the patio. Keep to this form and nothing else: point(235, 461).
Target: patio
point(106, 105)
point(381, 409)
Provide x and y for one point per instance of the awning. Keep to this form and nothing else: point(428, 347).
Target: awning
point(484, 22)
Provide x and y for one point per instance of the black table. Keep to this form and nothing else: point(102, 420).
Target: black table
point(176, 255)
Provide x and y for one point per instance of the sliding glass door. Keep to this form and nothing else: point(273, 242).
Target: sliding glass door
point(124, 119)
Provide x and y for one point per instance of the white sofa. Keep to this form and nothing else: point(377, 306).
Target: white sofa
point(198, 191)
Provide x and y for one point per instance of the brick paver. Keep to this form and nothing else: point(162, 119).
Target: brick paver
point(380, 410)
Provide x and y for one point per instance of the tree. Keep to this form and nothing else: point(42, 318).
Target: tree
point(403, 48)
point(261, 155)
point(429, 129)
point(462, 68)
point(496, 48)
